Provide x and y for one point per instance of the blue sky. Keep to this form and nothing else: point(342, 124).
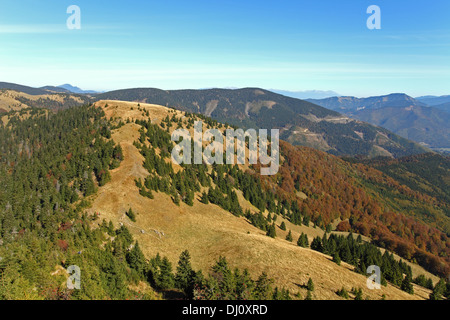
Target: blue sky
point(289, 45)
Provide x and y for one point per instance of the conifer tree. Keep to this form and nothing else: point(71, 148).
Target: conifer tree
point(438, 290)
point(407, 285)
point(308, 295)
point(310, 285)
point(136, 259)
point(165, 279)
point(289, 236)
point(204, 198)
point(336, 258)
point(358, 294)
point(271, 232)
point(185, 275)
point(130, 214)
point(263, 287)
point(343, 293)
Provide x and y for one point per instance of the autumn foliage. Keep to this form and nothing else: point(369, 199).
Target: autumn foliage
point(358, 195)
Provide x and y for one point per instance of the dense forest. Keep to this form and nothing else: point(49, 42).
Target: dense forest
point(427, 173)
point(49, 163)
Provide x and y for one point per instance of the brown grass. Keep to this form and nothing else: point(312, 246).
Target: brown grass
point(207, 231)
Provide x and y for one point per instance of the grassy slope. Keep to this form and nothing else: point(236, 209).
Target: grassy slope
point(207, 231)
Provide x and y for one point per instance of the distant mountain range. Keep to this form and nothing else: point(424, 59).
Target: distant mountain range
point(76, 89)
point(351, 104)
point(300, 122)
point(308, 94)
point(310, 122)
point(410, 118)
point(65, 88)
point(434, 100)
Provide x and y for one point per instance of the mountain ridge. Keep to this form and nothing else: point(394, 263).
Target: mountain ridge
point(401, 114)
point(300, 122)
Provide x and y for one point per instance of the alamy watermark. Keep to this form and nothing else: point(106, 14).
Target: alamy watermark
point(74, 20)
point(235, 142)
point(374, 21)
point(374, 280)
point(74, 281)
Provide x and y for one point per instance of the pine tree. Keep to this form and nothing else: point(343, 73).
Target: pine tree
point(310, 285)
point(289, 236)
point(358, 294)
point(176, 199)
point(190, 198)
point(184, 277)
point(336, 258)
point(283, 226)
point(271, 231)
point(308, 295)
point(316, 244)
point(342, 293)
point(136, 259)
point(204, 198)
point(407, 285)
point(303, 240)
point(263, 287)
point(438, 290)
point(165, 279)
point(130, 214)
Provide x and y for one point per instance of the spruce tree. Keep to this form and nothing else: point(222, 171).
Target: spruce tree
point(204, 198)
point(310, 285)
point(185, 275)
point(130, 214)
point(289, 236)
point(136, 259)
point(165, 279)
point(308, 295)
point(358, 294)
point(438, 290)
point(271, 232)
point(407, 285)
point(336, 258)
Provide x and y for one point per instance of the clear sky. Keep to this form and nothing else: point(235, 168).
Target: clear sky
point(290, 45)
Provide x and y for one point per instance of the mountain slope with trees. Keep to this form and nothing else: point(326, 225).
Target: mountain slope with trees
point(93, 186)
point(300, 122)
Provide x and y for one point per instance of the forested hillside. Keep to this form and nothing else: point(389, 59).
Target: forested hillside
point(300, 122)
point(393, 215)
point(48, 163)
point(428, 173)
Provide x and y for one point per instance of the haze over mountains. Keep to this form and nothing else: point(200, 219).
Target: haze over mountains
point(307, 94)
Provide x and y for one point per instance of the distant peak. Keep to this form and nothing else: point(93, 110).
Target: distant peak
point(75, 89)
